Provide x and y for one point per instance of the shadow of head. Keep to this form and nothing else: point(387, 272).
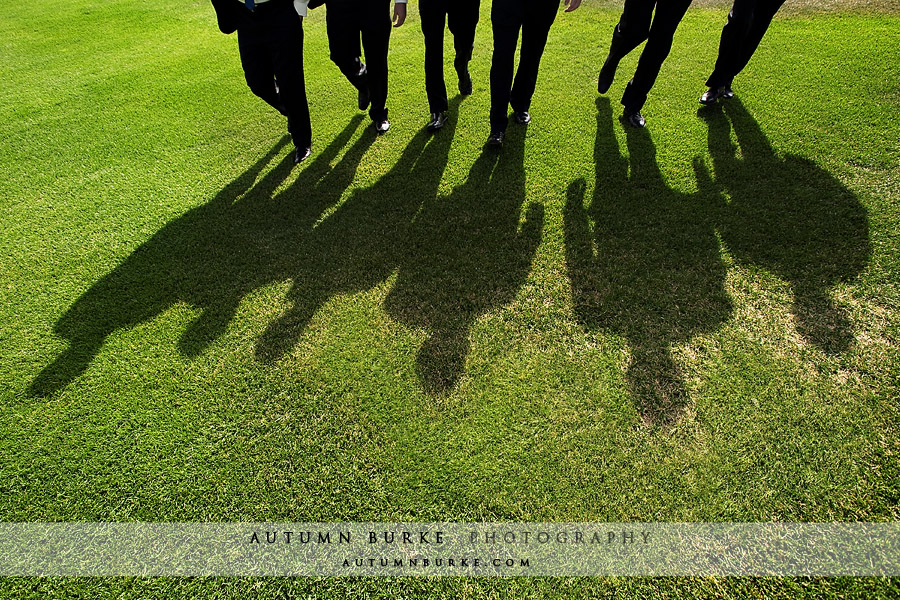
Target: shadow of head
point(361, 243)
point(208, 258)
point(791, 217)
point(644, 263)
point(468, 255)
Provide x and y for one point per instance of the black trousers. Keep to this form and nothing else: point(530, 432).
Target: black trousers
point(747, 24)
point(270, 41)
point(461, 17)
point(346, 22)
point(534, 18)
point(639, 23)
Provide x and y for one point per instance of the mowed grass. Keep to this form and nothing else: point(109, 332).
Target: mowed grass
point(694, 322)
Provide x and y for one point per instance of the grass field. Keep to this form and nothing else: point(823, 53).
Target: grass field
point(695, 322)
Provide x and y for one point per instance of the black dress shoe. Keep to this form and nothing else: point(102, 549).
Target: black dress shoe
point(437, 121)
point(522, 117)
point(634, 118)
point(465, 84)
point(495, 140)
point(710, 96)
point(301, 154)
point(381, 126)
point(607, 74)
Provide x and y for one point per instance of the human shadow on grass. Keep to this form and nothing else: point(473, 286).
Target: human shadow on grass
point(790, 217)
point(210, 258)
point(467, 255)
point(363, 241)
point(644, 262)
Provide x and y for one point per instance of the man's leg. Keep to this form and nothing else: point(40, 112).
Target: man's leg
point(462, 19)
point(506, 20)
point(762, 18)
point(342, 27)
point(433, 14)
point(285, 29)
point(376, 37)
point(734, 36)
point(535, 29)
point(659, 43)
point(631, 30)
point(256, 60)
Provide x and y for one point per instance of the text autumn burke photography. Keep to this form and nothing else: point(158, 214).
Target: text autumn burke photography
point(407, 538)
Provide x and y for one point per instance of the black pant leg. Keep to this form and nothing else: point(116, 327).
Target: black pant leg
point(734, 35)
point(659, 43)
point(433, 14)
point(285, 30)
point(462, 20)
point(762, 18)
point(632, 29)
point(506, 20)
point(259, 70)
point(539, 18)
point(343, 30)
point(376, 36)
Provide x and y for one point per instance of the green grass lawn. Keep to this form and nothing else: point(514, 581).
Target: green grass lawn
point(695, 322)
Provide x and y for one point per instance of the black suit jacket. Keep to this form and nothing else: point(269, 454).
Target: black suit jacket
point(226, 14)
